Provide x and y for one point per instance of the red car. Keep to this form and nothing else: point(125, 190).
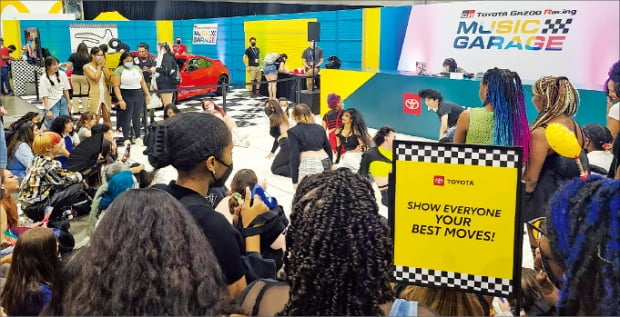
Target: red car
point(198, 71)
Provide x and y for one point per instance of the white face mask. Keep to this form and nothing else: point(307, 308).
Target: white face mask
point(98, 57)
point(431, 109)
point(128, 64)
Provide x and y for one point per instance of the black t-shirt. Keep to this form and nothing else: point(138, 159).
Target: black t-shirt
point(452, 110)
point(306, 137)
point(225, 240)
point(148, 62)
point(310, 56)
point(253, 54)
point(78, 63)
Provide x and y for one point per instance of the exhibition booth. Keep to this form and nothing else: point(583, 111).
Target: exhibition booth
point(389, 54)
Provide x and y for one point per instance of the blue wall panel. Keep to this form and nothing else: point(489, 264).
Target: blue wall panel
point(394, 22)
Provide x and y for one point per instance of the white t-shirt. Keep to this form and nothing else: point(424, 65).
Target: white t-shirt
point(601, 159)
point(53, 92)
point(614, 111)
point(130, 78)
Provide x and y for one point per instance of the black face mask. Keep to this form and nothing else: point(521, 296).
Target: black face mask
point(253, 44)
point(222, 180)
point(179, 42)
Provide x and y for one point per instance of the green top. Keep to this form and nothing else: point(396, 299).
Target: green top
point(480, 126)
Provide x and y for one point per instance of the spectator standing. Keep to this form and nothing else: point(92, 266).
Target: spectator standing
point(612, 88)
point(132, 94)
point(333, 118)
point(79, 83)
point(251, 59)
point(54, 90)
point(179, 48)
point(5, 57)
point(312, 58)
point(167, 70)
point(146, 61)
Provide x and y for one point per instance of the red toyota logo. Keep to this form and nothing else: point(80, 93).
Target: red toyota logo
point(438, 180)
point(412, 104)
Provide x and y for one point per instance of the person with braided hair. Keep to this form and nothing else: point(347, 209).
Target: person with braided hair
point(502, 119)
point(557, 101)
point(581, 250)
point(340, 255)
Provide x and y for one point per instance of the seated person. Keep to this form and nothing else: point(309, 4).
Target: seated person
point(450, 66)
point(46, 180)
point(447, 112)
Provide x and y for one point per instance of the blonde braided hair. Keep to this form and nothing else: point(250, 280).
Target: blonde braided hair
point(558, 97)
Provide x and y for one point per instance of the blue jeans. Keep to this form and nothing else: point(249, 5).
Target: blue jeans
point(4, 80)
point(58, 109)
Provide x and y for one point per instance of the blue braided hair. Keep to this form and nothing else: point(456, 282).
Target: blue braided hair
point(505, 93)
point(583, 228)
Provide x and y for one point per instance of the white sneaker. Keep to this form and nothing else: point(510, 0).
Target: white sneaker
point(138, 142)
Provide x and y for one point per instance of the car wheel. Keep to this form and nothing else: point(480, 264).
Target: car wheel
point(222, 80)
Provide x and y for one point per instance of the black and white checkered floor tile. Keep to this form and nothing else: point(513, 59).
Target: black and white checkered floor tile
point(245, 110)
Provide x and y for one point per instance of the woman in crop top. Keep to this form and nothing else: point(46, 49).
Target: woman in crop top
point(310, 152)
point(352, 140)
point(132, 93)
point(278, 127)
point(333, 118)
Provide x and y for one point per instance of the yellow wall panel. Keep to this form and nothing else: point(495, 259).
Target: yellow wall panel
point(12, 35)
point(371, 30)
point(279, 36)
point(164, 31)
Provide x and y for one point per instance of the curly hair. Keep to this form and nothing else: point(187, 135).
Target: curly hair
point(147, 257)
point(184, 144)
point(58, 124)
point(35, 262)
point(340, 250)
point(583, 227)
point(614, 76)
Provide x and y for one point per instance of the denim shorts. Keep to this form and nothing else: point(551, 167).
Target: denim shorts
point(270, 69)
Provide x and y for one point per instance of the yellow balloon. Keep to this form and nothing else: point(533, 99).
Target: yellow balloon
point(562, 140)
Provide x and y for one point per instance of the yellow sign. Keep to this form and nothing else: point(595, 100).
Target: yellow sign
point(455, 214)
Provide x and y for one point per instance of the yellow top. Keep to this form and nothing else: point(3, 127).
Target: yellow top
point(379, 168)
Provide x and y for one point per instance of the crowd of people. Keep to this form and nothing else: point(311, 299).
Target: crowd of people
point(194, 246)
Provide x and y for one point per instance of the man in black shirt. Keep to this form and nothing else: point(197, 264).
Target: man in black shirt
point(147, 63)
point(312, 57)
point(447, 112)
point(251, 59)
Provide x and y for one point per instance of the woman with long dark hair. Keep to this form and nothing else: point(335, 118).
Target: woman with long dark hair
point(98, 76)
point(158, 263)
point(132, 93)
point(20, 150)
point(352, 140)
point(54, 90)
point(278, 127)
point(63, 126)
point(28, 285)
point(79, 83)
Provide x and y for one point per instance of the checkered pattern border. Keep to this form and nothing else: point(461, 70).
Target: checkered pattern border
point(557, 25)
point(468, 282)
point(445, 153)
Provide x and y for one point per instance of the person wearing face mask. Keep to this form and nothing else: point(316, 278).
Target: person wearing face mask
point(199, 147)
point(447, 112)
point(251, 59)
point(377, 161)
point(179, 48)
point(132, 93)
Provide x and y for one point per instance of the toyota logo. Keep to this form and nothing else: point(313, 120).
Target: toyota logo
point(412, 104)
